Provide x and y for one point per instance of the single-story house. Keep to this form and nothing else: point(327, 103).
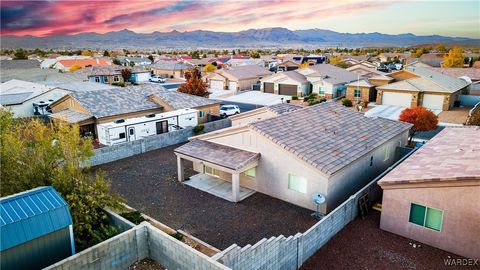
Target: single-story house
point(170, 69)
point(297, 153)
point(328, 80)
point(237, 78)
point(19, 64)
point(472, 74)
point(36, 229)
point(432, 59)
point(26, 99)
point(361, 90)
point(113, 74)
point(364, 71)
point(141, 110)
point(199, 63)
point(245, 62)
point(290, 62)
point(433, 196)
point(289, 83)
point(65, 65)
point(388, 57)
point(418, 86)
point(137, 61)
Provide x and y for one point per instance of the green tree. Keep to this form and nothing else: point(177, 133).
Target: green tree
point(35, 154)
point(20, 54)
point(106, 53)
point(117, 62)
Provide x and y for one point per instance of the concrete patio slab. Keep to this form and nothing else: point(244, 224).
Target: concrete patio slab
point(216, 186)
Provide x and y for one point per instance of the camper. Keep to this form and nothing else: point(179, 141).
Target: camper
point(126, 130)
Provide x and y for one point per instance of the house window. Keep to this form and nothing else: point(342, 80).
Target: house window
point(386, 153)
point(97, 79)
point(357, 93)
point(250, 172)
point(297, 183)
point(211, 171)
point(116, 78)
point(201, 114)
point(321, 91)
point(371, 161)
point(121, 135)
point(425, 216)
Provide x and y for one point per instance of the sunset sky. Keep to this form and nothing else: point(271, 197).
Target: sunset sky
point(50, 18)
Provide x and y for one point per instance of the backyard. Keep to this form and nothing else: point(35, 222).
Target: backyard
point(363, 245)
point(148, 182)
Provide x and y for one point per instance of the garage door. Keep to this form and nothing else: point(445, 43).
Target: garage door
point(433, 102)
point(287, 89)
point(232, 86)
point(397, 99)
point(268, 87)
point(215, 84)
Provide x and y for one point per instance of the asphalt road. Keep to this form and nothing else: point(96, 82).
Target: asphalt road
point(244, 107)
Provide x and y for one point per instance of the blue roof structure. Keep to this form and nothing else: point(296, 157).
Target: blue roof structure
point(31, 214)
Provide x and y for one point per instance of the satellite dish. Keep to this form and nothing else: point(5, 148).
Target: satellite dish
point(318, 199)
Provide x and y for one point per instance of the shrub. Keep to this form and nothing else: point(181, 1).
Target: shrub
point(177, 236)
point(346, 102)
point(313, 102)
point(135, 217)
point(305, 99)
point(198, 129)
point(294, 98)
point(288, 100)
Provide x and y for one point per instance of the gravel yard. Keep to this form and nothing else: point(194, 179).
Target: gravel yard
point(363, 245)
point(148, 182)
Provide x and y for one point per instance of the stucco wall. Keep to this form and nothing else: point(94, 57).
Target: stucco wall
point(26, 109)
point(460, 232)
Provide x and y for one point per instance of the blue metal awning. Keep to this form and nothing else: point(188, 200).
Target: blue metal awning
point(28, 215)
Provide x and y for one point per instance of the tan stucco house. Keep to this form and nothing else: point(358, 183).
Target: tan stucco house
point(418, 86)
point(295, 153)
point(328, 80)
point(434, 195)
point(170, 69)
point(236, 78)
point(289, 83)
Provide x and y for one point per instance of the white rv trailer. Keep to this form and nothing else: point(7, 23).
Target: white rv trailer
point(126, 130)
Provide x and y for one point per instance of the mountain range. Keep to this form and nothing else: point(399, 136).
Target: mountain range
point(253, 38)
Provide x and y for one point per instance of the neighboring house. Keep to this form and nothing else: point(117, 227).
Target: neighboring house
point(199, 63)
point(26, 99)
point(135, 61)
point(328, 80)
point(388, 57)
point(170, 69)
point(431, 59)
point(245, 62)
point(236, 78)
point(113, 74)
point(365, 71)
point(36, 229)
point(131, 113)
point(433, 196)
point(472, 74)
point(289, 83)
point(418, 86)
point(290, 62)
point(361, 90)
point(48, 63)
point(19, 64)
point(297, 153)
point(65, 65)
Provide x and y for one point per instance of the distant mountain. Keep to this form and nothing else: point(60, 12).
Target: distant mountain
point(252, 38)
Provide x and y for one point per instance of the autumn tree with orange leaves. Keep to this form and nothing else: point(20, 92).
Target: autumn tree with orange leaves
point(422, 119)
point(194, 84)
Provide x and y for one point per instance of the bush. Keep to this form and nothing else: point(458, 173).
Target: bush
point(313, 102)
point(288, 100)
point(346, 102)
point(198, 129)
point(135, 217)
point(305, 99)
point(177, 236)
point(294, 98)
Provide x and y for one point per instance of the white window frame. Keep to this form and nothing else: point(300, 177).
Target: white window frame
point(302, 185)
point(386, 153)
point(116, 78)
point(97, 79)
point(359, 91)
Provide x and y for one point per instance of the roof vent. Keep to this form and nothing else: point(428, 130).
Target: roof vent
point(119, 121)
point(150, 115)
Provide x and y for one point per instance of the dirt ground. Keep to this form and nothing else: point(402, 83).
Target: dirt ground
point(148, 182)
point(456, 115)
point(146, 264)
point(363, 245)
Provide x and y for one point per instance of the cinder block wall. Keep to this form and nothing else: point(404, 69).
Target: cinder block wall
point(128, 149)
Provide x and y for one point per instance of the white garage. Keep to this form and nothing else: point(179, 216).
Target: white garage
point(232, 86)
point(433, 102)
point(216, 84)
point(397, 99)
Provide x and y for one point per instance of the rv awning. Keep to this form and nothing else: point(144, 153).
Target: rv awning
point(221, 155)
point(71, 116)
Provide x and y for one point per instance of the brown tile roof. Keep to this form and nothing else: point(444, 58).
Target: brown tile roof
point(221, 155)
point(453, 154)
point(328, 136)
point(472, 73)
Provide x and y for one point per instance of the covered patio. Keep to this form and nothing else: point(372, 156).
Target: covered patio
point(221, 161)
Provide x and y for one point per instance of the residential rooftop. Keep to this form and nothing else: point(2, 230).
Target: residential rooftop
point(332, 74)
point(17, 91)
point(328, 136)
point(19, 64)
point(452, 155)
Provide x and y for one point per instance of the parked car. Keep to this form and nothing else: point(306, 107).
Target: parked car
point(156, 78)
point(227, 110)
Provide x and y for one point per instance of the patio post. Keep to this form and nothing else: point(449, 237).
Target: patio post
point(235, 187)
point(181, 175)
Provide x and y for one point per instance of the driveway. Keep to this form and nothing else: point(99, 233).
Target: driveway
point(256, 98)
point(389, 111)
point(148, 182)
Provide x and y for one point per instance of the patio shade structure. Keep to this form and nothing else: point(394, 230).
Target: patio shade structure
point(221, 157)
